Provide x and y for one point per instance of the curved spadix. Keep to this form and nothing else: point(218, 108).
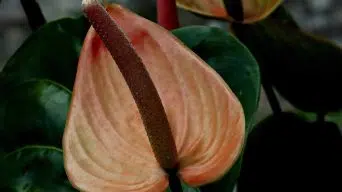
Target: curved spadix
point(105, 144)
point(252, 10)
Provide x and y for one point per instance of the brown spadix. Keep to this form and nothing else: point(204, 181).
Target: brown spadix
point(142, 103)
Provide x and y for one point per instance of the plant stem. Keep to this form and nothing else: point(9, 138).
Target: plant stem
point(174, 181)
point(235, 9)
point(167, 14)
point(33, 13)
point(320, 119)
point(271, 96)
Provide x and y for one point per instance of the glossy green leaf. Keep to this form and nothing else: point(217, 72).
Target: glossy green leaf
point(235, 64)
point(285, 153)
point(33, 112)
point(49, 53)
point(305, 69)
point(39, 168)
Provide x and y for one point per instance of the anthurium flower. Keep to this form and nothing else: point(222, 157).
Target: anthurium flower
point(250, 10)
point(112, 143)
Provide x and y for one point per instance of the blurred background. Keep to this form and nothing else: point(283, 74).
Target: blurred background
point(322, 17)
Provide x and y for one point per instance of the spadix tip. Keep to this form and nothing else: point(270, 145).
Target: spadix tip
point(86, 3)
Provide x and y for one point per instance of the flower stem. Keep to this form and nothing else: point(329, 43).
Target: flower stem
point(235, 9)
point(139, 82)
point(174, 181)
point(167, 14)
point(33, 13)
point(320, 119)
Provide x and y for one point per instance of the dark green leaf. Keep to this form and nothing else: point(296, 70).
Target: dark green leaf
point(40, 168)
point(9, 170)
point(232, 60)
point(305, 69)
point(33, 112)
point(282, 15)
point(286, 153)
point(49, 53)
point(146, 9)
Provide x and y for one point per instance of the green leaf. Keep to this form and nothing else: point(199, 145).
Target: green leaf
point(284, 152)
point(49, 53)
point(146, 9)
point(40, 168)
point(8, 171)
point(305, 69)
point(33, 112)
point(235, 64)
point(282, 15)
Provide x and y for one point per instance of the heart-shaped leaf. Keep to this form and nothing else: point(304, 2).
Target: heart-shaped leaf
point(49, 53)
point(245, 11)
point(38, 168)
point(33, 112)
point(305, 69)
point(233, 61)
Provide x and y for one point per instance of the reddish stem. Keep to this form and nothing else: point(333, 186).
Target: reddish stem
point(167, 14)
